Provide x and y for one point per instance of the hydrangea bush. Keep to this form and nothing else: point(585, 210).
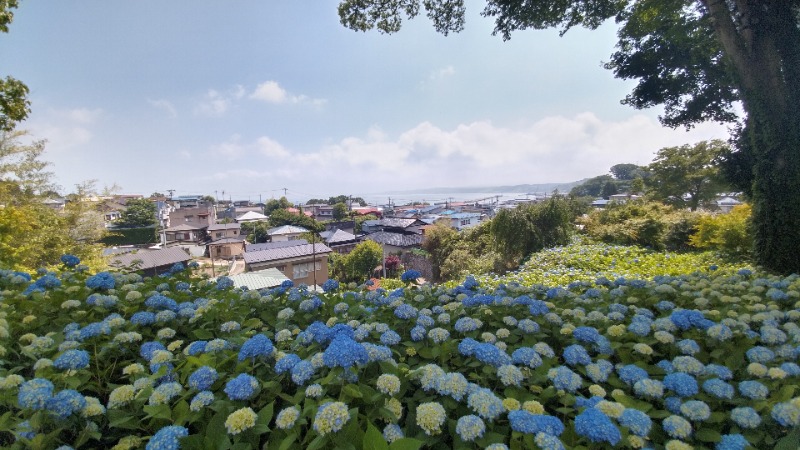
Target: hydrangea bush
point(700, 357)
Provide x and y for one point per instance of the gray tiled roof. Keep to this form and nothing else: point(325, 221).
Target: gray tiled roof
point(225, 226)
point(270, 245)
point(150, 258)
point(395, 239)
point(396, 222)
point(184, 227)
point(286, 229)
point(295, 251)
point(340, 236)
point(227, 240)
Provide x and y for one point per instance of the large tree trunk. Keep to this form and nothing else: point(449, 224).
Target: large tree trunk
point(763, 43)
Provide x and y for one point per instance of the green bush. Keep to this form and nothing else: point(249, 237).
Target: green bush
point(729, 233)
point(131, 236)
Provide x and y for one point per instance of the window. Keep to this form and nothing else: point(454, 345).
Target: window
point(303, 269)
point(220, 234)
point(281, 268)
point(465, 222)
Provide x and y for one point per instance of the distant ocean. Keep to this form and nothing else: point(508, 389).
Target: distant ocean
point(433, 198)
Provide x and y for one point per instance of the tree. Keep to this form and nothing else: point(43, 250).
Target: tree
point(139, 212)
point(627, 172)
point(283, 217)
point(14, 104)
point(362, 260)
point(339, 211)
point(22, 173)
point(440, 240)
point(697, 58)
point(688, 170)
point(274, 204)
point(529, 228)
point(592, 187)
point(256, 232)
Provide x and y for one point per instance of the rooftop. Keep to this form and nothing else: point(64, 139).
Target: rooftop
point(271, 245)
point(286, 229)
point(395, 239)
point(148, 259)
point(295, 251)
point(260, 279)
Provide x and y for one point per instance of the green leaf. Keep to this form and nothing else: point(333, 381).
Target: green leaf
point(406, 444)
point(789, 442)
point(288, 442)
point(203, 334)
point(373, 439)
point(265, 415)
point(352, 391)
point(708, 435)
point(158, 411)
point(317, 443)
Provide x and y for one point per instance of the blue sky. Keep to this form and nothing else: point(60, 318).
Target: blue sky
point(249, 97)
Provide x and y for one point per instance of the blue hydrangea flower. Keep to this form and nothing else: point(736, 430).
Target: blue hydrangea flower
point(143, 318)
point(405, 311)
point(682, 384)
point(525, 356)
point(242, 387)
point(490, 354)
point(330, 285)
point(576, 355)
point(343, 351)
point(203, 378)
point(718, 388)
point(35, 393)
point(753, 390)
point(786, 414)
point(677, 427)
point(696, 410)
point(484, 402)
point(167, 438)
point(597, 427)
point(760, 355)
point(286, 363)
point(66, 403)
point(72, 360)
point(745, 417)
point(631, 373)
point(410, 275)
point(70, 260)
point(390, 338)
point(732, 442)
point(637, 422)
point(586, 334)
point(525, 422)
point(565, 379)
point(195, 348)
point(102, 280)
point(257, 346)
point(302, 372)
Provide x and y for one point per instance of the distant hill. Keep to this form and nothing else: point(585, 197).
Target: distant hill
point(520, 188)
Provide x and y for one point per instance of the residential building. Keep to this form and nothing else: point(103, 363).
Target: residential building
point(396, 242)
point(459, 221)
point(183, 234)
point(201, 216)
point(151, 262)
point(727, 203)
point(252, 216)
point(339, 241)
point(320, 211)
point(306, 263)
point(271, 245)
point(285, 233)
point(224, 230)
point(260, 279)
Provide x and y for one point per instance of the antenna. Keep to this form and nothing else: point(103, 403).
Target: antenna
point(171, 191)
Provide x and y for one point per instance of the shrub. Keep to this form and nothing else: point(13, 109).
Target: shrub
point(728, 233)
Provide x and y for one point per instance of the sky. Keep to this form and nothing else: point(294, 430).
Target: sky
point(253, 96)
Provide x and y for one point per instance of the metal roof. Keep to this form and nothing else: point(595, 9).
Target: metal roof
point(270, 245)
point(148, 259)
point(260, 279)
point(184, 227)
point(395, 239)
point(295, 251)
point(250, 216)
point(286, 229)
point(340, 236)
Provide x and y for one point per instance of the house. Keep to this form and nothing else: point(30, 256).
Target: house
point(270, 245)
point(727, 203)
point(296, 212)
point(188, 201)
point(364, 210)
point(306, 263)
point(320, 211)
point(285, 233)
point(394, 224)
point(224, 230)
point(622, 198)
point(462, 220)
point(226, 248)
point(201, 216)
point(396, 242)
point(58, 203)
point(339, 241)
point(260, 279)
point(190, 237)
point(151, 262)
point(252, 216)
point(600, 203)
point(345, 225)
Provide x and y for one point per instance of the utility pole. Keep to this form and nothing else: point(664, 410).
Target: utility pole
point(284, 192)
point(170, 193)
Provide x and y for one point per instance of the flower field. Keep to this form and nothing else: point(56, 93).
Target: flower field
point(704, 357)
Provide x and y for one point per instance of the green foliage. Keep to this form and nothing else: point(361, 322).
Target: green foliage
point(530, 228)
point(22, 174)
point(339, 211)
point(688, 170)
point(359, 220)
point(14, 104)
point(729, 233)
point(256, 232)
point(274, 205)
point(131, 236)
point(638, 222)
point(281, 217)
point(627, 172)
point(139, 212)
point(593, 187)
point(440, 240)
point(358, 265)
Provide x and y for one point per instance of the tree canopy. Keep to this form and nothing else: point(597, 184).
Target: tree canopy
point(14, 104)
point(139, 212)
point(697, 59)
point(687, 171)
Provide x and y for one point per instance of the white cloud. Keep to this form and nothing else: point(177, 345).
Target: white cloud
point(272, 92)
point(216, 103)
point(164, 105)
point(64, 129)
point(553, 149)
point(442, 73)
